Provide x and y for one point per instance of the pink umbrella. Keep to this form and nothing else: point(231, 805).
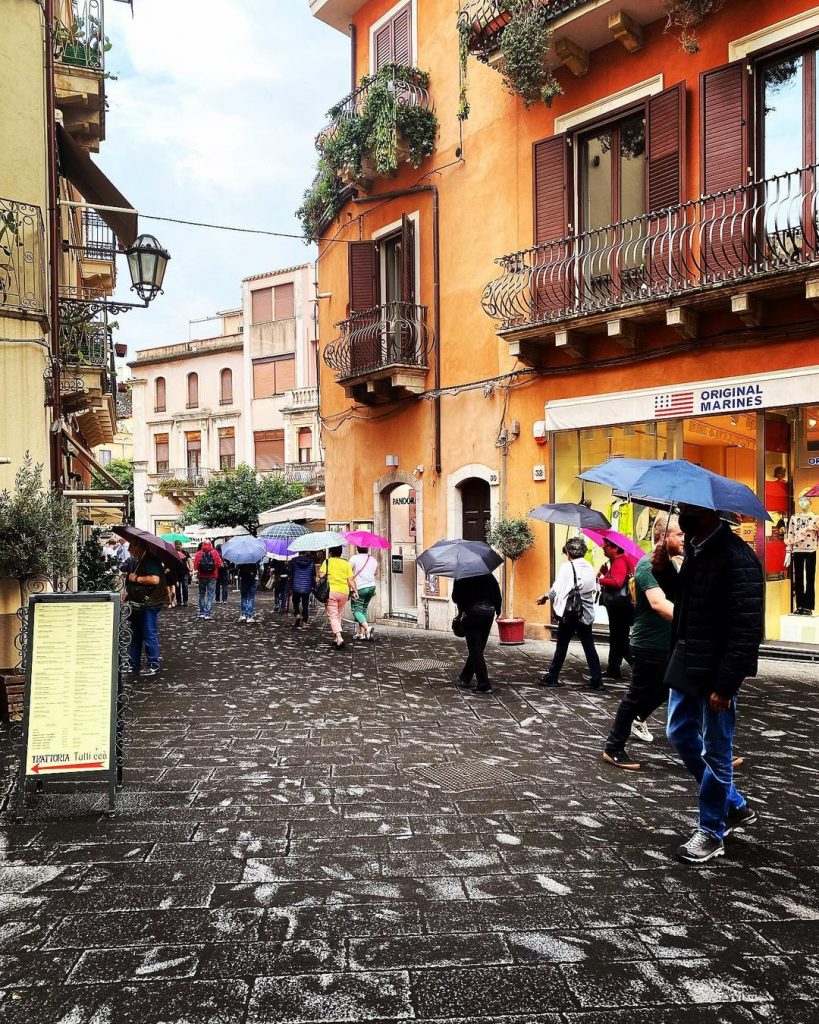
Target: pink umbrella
point(365, 539)
point(630, 547)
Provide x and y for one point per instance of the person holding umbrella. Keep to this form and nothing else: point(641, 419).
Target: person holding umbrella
point(246, 553)
point(147, 594)
point(341, 577)
point(613, 580)
point(185, 577)
point(572, 595)
point(207, 564)
point(302, 571)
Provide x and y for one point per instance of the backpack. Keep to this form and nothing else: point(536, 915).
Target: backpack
point(573, 610)
point(207, 563)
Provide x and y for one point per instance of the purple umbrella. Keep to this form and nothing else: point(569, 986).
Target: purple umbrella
point(276, 545)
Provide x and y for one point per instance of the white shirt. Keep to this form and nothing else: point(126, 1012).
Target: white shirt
point(564, 584)
point(365, 568)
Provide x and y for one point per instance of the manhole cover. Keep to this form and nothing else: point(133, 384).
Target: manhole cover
point(457, 776)
point(422, 665)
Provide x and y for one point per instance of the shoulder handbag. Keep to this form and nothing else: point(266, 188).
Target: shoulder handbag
point(459, 624)
point(321, 588)
point(573, 609)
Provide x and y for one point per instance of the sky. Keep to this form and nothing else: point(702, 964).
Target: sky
point(212, 118)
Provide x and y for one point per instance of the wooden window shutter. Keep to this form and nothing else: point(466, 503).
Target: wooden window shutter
point(264, 378)
point(383, 45)
point(666, 148)
point(401, 37)
point(407, 260)
point(261, 302)
point(363, 271)
point(285, 374)
point(284, 301)
point(551, 186)
point(159, 396)
point(193, 390)
point(724, 157)
point(269, 449)
point(227, 441)
point(305, 437)
point(161, 448)
point(226, 386)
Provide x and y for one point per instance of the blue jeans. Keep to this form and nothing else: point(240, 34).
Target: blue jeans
point(207, 591)
point(704, 739)
point(247, 596)
point(144, 631)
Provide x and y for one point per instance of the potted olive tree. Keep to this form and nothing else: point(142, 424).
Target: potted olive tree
point(512, 538)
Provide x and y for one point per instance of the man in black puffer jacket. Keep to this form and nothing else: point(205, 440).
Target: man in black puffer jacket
point(717, 630)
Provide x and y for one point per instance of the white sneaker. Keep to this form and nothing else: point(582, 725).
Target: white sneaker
point(639, 730)
point(252, 619)
point(242, 618)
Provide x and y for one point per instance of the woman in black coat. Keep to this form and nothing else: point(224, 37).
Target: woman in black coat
point(479, 600)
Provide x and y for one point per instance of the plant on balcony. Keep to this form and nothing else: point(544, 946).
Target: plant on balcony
point(684, 15)
point(380, 134)
point(81, 44)
point(84, 340)
point(464, 37)
point(524, 46)
point(512, 538)
point(238, 499)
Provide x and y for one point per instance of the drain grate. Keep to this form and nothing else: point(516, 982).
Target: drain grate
point(458, 776)
point(422, 665)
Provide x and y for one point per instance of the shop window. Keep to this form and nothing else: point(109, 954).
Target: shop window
point(161, 449)
point(226, 387)
point(227, 448)
point(193, 390)
point(159, 394)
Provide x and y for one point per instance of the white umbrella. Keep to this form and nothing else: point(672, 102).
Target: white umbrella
point(318, 541)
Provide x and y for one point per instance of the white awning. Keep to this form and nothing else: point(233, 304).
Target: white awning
point(723, 396)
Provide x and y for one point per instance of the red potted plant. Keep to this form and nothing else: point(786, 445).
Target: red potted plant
point(121, 349)
point(512, 538)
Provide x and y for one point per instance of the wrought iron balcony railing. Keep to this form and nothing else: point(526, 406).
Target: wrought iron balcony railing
point(488, 18)
point(81, 43)
point(99, 241)
point(185, 478)
point(395, 334)
point(22, 259)
point(83, 341)
point(408, 93)
point(768, 227)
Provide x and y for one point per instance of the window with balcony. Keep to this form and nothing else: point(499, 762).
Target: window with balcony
point(273, 376)
point(226, 387)
point(284, 301)
point(161, 452)
point(227, 448)
point(392, 41)
point(261, 305)
point(193, 449)
point(159, 395)
point(305, 439)
point(269, 449)
point(193, 390)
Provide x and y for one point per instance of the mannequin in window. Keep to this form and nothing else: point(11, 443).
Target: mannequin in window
point(802, 542)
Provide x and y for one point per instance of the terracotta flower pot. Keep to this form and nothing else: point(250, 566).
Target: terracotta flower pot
point(121, 349)
point(512, 631)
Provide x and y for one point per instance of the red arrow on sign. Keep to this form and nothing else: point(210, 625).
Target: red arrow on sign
point(65, 767)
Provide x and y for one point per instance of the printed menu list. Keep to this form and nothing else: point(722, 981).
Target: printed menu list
point(69, 718)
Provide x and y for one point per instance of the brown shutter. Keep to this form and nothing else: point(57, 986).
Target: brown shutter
point(407, 260)
point(193, 390)
point(551, 183)
point(724, 158)
point(264, 378)
point(363, 261)
point(159, 399)
point(383, 45)
point(285, 374)
point(402, 37)
point(284, 301)
point(161, 448)
point(666, 148)
point(193, 441)
point(226, 387)
point(269, 449)
point(261, 301)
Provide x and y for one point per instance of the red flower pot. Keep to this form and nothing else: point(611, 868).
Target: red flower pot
point(121, 349)
point(512, 631)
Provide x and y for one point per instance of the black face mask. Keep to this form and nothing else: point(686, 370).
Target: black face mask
point(689, 523)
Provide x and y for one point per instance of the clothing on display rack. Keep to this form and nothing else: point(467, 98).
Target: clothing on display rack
point(802, 543)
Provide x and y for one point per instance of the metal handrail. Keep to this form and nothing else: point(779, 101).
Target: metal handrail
point(488, 18)
point(769, 226)
point(83, 341)
point(99, 241)
point(407, 94)
point(82, 43)
point(394, 334)
point(22, 258)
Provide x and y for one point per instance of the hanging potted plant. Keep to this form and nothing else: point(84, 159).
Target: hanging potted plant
point(512, 538)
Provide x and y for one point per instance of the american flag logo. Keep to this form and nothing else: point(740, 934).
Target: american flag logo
point(674, 403)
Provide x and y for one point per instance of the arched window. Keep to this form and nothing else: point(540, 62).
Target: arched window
point(305, 444)
point(159, 394)
point(226, 387)
point(193, 390)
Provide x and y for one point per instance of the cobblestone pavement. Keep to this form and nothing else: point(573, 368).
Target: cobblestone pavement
point(285, 851)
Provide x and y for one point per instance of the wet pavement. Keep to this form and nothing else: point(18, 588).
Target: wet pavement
point(316, 835)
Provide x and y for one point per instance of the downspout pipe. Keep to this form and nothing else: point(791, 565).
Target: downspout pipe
point(55, 247)
point(353, 56)
point(436, 294)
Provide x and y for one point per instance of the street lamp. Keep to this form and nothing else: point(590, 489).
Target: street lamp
point(147, 263)
point(149, 495)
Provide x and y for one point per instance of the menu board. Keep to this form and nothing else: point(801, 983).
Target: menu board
point(71, 687)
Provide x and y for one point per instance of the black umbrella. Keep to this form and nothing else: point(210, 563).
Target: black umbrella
point(164, 551)
point(570, 513)
point(459, 559)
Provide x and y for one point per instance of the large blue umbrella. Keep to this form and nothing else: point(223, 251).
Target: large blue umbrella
point(674, 481)
point(459, 559)
point(244, 550)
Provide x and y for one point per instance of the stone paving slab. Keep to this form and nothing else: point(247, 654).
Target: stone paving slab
point(282, 851)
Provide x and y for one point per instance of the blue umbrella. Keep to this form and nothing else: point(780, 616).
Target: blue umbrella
point(244, 550)
point(651, 481)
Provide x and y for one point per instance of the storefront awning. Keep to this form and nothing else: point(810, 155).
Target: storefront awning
point(723, 396)
point(78, 167)
point(309, 509)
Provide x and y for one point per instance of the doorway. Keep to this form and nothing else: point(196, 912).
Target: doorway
point(476, 514)
point(403, 534)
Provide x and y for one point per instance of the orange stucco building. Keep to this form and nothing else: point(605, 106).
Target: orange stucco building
point(631, 271)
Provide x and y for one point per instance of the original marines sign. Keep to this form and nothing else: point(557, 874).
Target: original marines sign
point(750, 393)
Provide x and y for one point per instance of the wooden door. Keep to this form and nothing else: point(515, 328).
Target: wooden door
point(476, 509)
